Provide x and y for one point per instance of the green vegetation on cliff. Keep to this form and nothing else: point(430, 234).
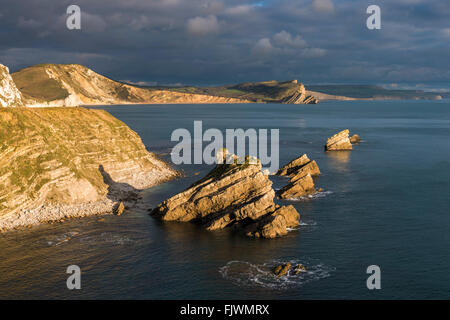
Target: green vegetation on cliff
point(267, 91)
point(56, 155)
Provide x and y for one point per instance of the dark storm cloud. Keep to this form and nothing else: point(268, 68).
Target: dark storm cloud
point(213, 42)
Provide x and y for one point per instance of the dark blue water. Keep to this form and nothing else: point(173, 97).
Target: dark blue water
point(385, 203)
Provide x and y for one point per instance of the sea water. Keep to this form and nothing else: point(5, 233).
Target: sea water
point(385, 203)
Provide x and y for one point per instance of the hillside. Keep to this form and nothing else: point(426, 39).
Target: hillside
point(290, 92)
point(369, 92)
point(73, 85)
point(65, 162)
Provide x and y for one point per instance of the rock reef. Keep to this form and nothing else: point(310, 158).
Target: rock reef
point(300, 170)
point(238, 196)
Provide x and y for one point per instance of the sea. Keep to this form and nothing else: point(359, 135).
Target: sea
point(384, 204)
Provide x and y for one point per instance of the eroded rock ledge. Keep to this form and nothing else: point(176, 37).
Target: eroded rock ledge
point(300, 170)
point(239, 196)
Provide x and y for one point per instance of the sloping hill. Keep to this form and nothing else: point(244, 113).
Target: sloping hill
point(73, 84)
point(290, 92)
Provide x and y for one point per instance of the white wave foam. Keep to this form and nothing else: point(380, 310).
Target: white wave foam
point(316, 195)
point(107, 237)
point(62, 238)
point(261, 275)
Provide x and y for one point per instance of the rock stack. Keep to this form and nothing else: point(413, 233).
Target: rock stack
point(341, 141)
point(232, 195)
point(300, 170)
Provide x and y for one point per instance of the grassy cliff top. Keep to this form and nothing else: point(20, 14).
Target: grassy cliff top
point(266, 91)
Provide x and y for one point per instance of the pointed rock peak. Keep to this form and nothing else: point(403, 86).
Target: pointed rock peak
point(10, 96)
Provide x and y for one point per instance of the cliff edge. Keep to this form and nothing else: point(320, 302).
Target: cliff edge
point(69, 162)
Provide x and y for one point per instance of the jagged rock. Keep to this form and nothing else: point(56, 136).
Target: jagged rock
point(237, 195)
point(340, 141)
point(275, 224)
point(300, 166)
point(282, 269)
point(299, 268)
point(301, 183)
point(120, 209)
point(297, 187)
point(10, 96)
point(300, 97)
point(355, 139)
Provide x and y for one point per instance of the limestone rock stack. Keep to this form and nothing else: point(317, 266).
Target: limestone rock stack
point(232, 195)
point(340, 141)
point(301, 170)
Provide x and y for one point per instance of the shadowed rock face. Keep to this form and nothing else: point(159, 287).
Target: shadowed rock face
point(231, 195)
point(340, 141)
point(297, 188)
point(301, 183)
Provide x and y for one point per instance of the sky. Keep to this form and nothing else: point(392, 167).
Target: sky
point(208, 42)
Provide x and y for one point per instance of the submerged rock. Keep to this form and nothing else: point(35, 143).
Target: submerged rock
point(299, 268)
point(120, 209)
point(237, 195)
point(282, 269)
point(340, 141)
point(355, 139)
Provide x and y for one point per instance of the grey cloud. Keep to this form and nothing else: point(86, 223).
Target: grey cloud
point(214, 42)
point(203, 25)
point(323, 6)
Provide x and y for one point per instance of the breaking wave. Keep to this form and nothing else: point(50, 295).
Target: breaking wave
point(261, 275)
point(61, 239)
point(316, 195)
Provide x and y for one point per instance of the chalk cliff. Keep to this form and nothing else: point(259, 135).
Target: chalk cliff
point(10, 96)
